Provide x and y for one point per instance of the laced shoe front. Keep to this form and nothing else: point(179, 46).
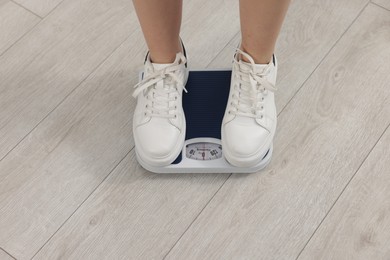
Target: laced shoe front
point(249, 122)
point(159, 124)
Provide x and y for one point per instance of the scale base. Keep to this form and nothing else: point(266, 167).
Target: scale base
point(199, 167)
point(204, 107)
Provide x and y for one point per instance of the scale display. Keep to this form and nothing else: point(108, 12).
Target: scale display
point(203, 151)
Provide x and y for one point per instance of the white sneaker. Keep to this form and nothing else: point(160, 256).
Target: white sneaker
point(159, 124)
point(249, 123)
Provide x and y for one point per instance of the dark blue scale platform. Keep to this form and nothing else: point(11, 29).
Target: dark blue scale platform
point(205, 103)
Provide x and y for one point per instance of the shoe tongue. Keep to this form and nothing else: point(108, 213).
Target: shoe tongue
point(247, 66)
point(160, 66)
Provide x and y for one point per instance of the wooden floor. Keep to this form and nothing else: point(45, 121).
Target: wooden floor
point(70, 187)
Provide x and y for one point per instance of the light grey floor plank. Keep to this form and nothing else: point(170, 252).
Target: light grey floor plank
point(309, 32)
point(154, 210)
point(39, 7)
point(65, 158)
point(324, 134)
point(14, 23)
point(383, 3)
point(358, 227)
point(133, 215)
point(41, 69)
point(5, 256)
point(47, 176)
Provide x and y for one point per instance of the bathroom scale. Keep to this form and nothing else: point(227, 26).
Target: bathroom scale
point(204, 107)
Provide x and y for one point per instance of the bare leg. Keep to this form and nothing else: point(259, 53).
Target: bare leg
point(160, 22)
point(261, 21)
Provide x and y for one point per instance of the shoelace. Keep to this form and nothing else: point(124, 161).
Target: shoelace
point(161, 89)
point(251, 89)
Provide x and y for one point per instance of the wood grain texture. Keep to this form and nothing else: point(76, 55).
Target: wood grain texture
point(41, 69)
point(47, 176)
point(5, 256)
point(310, 30)
point(65, 158)
point(40, 7)
point(145, 216)
point(133, 215)
point(324, 134)
point(383, 3)
point(358, 227)
point(14, 23)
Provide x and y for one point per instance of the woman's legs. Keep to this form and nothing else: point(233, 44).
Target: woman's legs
point(261, 21)
point(160, 22)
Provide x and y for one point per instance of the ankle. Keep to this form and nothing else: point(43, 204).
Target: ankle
point(166, 57)
point(259, 57)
